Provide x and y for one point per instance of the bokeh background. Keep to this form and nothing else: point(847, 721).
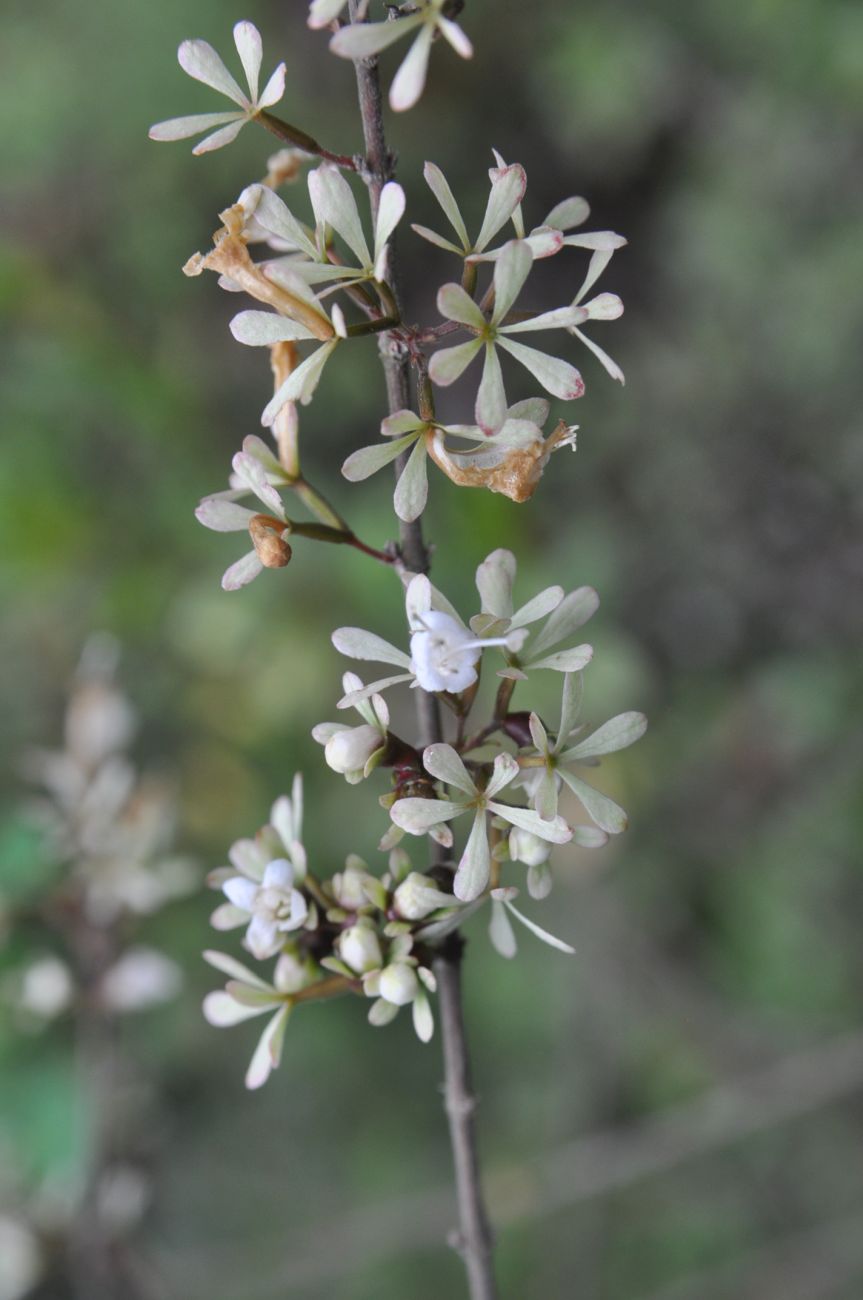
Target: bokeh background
point(677, 1110)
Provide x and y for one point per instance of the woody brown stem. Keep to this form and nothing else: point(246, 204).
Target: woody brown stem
point(474, 1238)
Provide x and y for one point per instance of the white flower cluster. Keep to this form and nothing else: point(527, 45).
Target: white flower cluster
point(354, 932)
point(444, 659)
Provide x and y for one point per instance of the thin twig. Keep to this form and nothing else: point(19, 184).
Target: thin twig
point(474, 1236)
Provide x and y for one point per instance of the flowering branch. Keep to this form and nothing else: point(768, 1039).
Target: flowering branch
point(396, 938)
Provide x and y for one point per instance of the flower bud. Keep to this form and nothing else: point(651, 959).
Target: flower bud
point(528, 848)
point(351, 749)
point(293, 972)
point(359, 948)
point(399, 984)
point(269, 543)
point(348, 888)
point(417, 896)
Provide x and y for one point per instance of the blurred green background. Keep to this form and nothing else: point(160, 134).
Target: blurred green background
point(714, 502)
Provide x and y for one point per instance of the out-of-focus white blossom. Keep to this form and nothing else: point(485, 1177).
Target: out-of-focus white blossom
point(418, 896)
point(200, 61)
point(142, 978)
point(356, 751)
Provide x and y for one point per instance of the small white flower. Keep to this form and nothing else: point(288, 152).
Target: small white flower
point(260, 883)
point(349, 886)
point(200, 60)
point(554, 374)
point(44, 989)
point(274, 905)
point(416, 815)
point(359, 947)
point(356, 751)
point(246, 996)
point(550, 762)
point(398, 984)
point(563, 615)
point(418, 896)
point(444, 652)
point(528, 848)
point(256, 470)
point(508, 185)
point(364, 40)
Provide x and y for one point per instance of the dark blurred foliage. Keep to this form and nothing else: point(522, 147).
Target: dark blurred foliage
point(715, 503)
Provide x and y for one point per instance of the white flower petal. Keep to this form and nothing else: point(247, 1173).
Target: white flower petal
point(556, 831)
point(422, 1017)
point(323, 12)
point(494, 579)
point(222, 1011)
point(605, 306)
point(223, 516)
point(504, 771)
point(557, 377)
point(366, 461)
point(602, 356)
point(356, 643)
point(452, 33)
point(510, 272)
point(456, 304)
point(589, 837)
point(537, 608)
point(274, 89)
point(560, 318)
point(411, 492)
point(268, 1053)
point(234, 969)
point(434, 238)
point(568, 213)
point(608, 815)
point(500, 930)
point(363, 40)
point(570, 707)
point(572, 612)
point(416, 815)
point(353, 698)
point(444, 764)
point(507, 191)
point(264, 328)
point(390, 212)
point(242, 572)
point(181, 128)
point(301, 383)
point(595, 267)
point(278, 874)
point(616, 734)
point(538, 733)
point(490, 410)
point(241, 892)
point(247, 39)
point(565, 661)
point(538, 930)
point(334, 205)
point(409, 81)
point(218, 140)
point(440, 188)
point(472, 875)
point(250, 473)
point(448, 365)
point(200, 60)
point(229, 917)
point(276, 218)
